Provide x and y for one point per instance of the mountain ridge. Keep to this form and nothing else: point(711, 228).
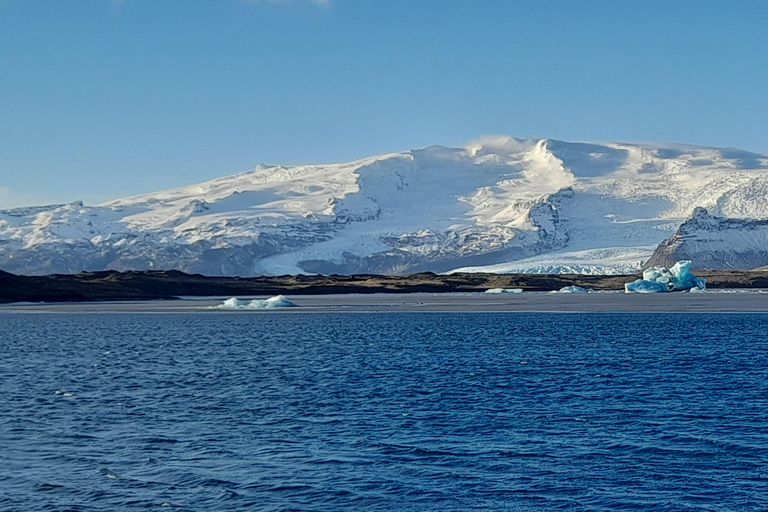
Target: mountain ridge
point(532, 205)
point(713, 242)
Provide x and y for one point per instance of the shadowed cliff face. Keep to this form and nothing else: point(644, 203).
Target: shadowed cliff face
point(713, 242)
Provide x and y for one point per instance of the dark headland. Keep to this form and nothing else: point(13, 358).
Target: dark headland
point(146, 285)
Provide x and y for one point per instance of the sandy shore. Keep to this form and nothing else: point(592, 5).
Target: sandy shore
point(710, 301)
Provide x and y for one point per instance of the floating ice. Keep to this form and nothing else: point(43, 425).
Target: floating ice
point(574, 289)
point(504, 290)
point(644, 286)
point(658, 279)
point(278, 301)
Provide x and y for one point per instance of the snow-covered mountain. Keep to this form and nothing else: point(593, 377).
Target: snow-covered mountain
point(716, 243)
point(501, 204)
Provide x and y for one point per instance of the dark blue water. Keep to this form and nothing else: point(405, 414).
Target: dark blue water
point(214, 412)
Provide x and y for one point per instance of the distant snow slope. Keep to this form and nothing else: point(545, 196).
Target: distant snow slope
point(501, 204)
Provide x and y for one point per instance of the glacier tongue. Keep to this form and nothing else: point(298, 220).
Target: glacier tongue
point(500, 204)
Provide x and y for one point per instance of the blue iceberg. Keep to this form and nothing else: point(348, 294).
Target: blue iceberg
point(659, 279)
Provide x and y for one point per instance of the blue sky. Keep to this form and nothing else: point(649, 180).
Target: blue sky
point(105, 98)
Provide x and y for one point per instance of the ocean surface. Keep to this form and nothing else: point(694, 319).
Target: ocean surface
point(396, 411)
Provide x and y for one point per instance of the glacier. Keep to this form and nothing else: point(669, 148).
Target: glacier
point(500, 204)
point(659, 279)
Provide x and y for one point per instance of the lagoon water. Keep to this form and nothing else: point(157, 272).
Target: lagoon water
point(395, 411)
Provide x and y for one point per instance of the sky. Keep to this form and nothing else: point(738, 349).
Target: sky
point(108, 98)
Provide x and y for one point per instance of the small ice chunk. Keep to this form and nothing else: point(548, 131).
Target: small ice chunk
point(278, 301)
point(234, 302)
point(659, 279)
point(504, 290)
point(574, 289)
point(645, 286)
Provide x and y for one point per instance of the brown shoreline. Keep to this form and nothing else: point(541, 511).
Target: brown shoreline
point(151, 285)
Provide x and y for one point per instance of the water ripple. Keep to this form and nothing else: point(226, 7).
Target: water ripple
point(412, 411)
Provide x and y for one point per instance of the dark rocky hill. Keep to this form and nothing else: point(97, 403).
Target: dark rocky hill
point(111, 285)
